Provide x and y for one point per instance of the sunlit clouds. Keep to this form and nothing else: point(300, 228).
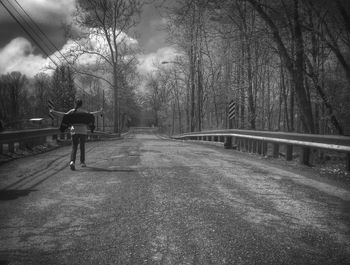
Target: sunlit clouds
point(18, 56)
point(19, 53)
point(47, 11)
point(150, 62)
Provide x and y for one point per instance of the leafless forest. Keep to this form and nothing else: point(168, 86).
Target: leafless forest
point(285, 63)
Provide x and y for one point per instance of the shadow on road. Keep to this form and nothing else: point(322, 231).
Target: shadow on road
point(110, 169)
point(7, 195)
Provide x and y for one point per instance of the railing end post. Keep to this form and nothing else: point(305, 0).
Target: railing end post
point(228, 142)
point(305, 156)
point(289, 152)
point(276, 149)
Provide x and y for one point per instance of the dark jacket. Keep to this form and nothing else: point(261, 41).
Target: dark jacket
point(78, 118)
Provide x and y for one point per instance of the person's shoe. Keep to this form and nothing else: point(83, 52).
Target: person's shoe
point(83, 165)
point(71, 165)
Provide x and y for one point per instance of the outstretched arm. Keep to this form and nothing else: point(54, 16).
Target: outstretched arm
point(97, 112)
point(58, 113)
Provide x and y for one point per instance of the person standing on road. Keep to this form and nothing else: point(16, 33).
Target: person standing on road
point(78, 132)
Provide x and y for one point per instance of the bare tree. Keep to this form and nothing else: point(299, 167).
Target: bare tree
point(111, 20)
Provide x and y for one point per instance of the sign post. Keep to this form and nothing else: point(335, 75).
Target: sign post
point(231, 113)
point(231, 118)
point(51, 106)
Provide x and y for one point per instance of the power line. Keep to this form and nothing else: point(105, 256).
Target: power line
point(27, 32)
point(43, 33)
point(33, 30)
point(33, 38)
point(48, 39)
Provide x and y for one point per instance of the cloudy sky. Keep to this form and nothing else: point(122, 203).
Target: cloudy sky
point(18, 52)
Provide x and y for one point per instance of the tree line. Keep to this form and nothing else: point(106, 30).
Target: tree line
point(286, 65)
point(23, 98)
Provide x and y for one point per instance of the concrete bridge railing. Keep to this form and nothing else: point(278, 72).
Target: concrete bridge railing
point(258, 141)
point(29, 138)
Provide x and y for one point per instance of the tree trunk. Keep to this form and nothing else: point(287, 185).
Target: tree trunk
point(294, 67)
point(116, 102)
point(303, 101)
point(251, 106)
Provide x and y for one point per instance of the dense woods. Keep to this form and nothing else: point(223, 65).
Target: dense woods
point(284, 63)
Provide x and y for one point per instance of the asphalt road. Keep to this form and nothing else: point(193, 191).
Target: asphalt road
point(147, 200)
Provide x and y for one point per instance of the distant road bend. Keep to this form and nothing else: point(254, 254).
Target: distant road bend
point(150, 200)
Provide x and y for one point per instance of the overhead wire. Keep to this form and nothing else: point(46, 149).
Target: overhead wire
point(42, 32)
point(27, 32)
point(55, 47)
point(35, 40)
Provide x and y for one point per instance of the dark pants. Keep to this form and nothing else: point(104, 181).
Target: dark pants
point(76, 139)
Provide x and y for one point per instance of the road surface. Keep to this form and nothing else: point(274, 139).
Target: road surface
point(148, 200)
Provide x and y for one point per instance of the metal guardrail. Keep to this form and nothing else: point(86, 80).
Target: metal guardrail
point(257, 141)
point(32, 137)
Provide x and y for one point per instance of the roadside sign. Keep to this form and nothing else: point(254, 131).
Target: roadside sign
point(232, 110)
point(51, 106)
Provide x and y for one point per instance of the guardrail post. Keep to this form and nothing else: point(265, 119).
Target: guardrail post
point(11, 147)
point(254, 146)
point(1, 149)
point(264, 148)
point(276, 150)
point(234, 143)
point(228, 142)
point(305, 156)
point(251, 144)
point(289, 152)
point(246, 145)
point(22, 145)
point(259, 147)
point(348, 162)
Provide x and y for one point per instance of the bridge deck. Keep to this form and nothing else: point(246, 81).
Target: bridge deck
point(148, 200)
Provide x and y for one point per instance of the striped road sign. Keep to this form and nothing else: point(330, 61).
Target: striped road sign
point(51, 106)
point(232, 110)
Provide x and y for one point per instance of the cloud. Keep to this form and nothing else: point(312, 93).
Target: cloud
point(18, 55)
point(148, 62)
point(48, 11)
point(99, 43)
